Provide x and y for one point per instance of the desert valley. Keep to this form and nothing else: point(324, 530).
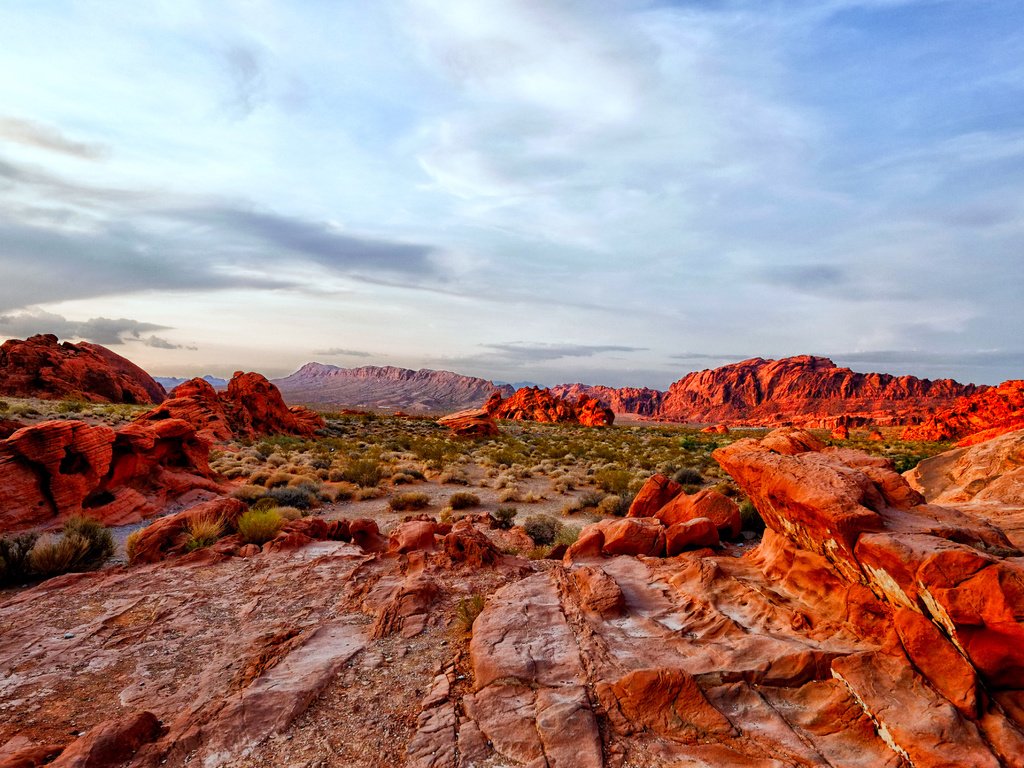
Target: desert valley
point(774, 563)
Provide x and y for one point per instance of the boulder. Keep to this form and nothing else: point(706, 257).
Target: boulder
point(692, 534)
point(465, 544)
point(634, 536)
point(707, 503)
point(655, 493)
point(166, 535)
point(113, 742)
point(41, 367)
point(470, 423)
point(411, 536)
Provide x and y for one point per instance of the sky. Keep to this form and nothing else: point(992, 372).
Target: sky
point(615, 192)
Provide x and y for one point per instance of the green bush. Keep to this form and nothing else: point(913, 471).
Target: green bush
point(54, 555)
point(541, 528)
point(301, 496)
point(258, 526)
point(365, 473)
point(613, 480)
point(567, 535)
point(613, 504)
point(70, 406)
point(203, 531)
point(468, 609)
point(404, 502)
point(506, 517)
point(98, 537)
point(14, 551)
point(688, 476)
point(463, 500)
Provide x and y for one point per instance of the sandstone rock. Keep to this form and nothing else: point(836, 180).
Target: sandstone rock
point(634, 536)
point(534, 404)
point(470, 423)
point(111, 743)
point(465, 544)
point(40, 367)
point(976, 416)
point(598, 592)
point(56, 469)
point(167, 535)
point(938, 661)
point(639, 400)
point(588, 546)
point(411, 536)
point(707, 503)
point(655, 493)
point(366, 535)
point(842, 432)
point(804, 390)
point(249, 407)
point(692, 534)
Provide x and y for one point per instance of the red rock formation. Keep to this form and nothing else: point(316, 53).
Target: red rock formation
point(975, 417)
point(41, 367)
point(57, 469)
point(534, 404)
point(653, 495)
point(639, 400)
point(471, 423)
point(808, 391)
point(250, 406)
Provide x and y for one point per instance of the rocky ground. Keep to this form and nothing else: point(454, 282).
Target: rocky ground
point(866, 628)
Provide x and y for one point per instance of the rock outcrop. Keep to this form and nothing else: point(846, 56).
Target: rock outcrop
point(535, 404)
point(975, 417)
point(642, 401)
point(470, 423)
point(41, 367)
point(58, 469)
point(386, 388)
point(250, 406)
point(804, 391)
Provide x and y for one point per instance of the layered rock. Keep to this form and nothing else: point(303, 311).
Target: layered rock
point(249, 407)
point(58, 469)
point(470, 423)
point(805, 391)
point(642, 401)
point(535, 404)
point(975, 417)
point(41, 367)
point(386, 388)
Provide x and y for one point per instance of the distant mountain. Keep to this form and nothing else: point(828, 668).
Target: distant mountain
point(386, 388)
point(804, 390)
point(517, 385)
point(170, 382)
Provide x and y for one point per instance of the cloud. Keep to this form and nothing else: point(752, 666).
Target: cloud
point(700, 356)
point(99, 330)
point(339, 352)
point(533, 353)
point(246, 69)
point(981, 358)
point(158, 342)
point(34, 134)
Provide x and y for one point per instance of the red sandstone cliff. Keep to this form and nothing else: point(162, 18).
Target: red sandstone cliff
point(41, 367)
point(639, 400)
point(534, 404)
point(976, 417)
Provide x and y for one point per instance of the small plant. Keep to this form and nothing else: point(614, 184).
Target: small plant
point(613, 480)
point(506, 517)
point(4, 406)
point(70, 406)
point(364, 494)
point(612, 504)
point(250, 494)
point(14, 551)
point(541, 528)
point(258, 526)
point(404, 502)
point(98, 537)
point(688, 476)
point(590, 499)
point(567, 535)
point(463, 500)
point(467, 611)
point(289, 513)
point(202, 532)
point(300, 496)
point(750, 519)
point(53, 555)
point(365, 473)
point(131, 545)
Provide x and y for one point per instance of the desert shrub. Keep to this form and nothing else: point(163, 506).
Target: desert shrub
point(590, 499)
point(259, 477)
point(509, 494)
point(688, 476)
point(365, 473)
point(463, 500)
point(506, 517)
point(364, 494)
point(53, 555)
point(258, 526)
point(276, 460)
point(320, 462)
point(727, 489)
point(452, 478)
point(278, 479)
point(402, 478)
point(539, 553)
point(70, 406)
point(250, 494)
point(203, 531)
point(301, 496)
point(406, 501)
point(131, 544)
point(567, 535)
point(750, 518)
point(613, 504)
point(98, 536)
point(289, 513)
point(4, 406)
point(612, 480)
point(262, 505)
point(541, 528)
point(14, 551)
point(467, 611)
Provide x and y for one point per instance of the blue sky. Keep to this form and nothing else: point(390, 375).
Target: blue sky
point(614, 192)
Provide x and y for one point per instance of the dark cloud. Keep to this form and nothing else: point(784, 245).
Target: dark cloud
point(158, 342)
point(100, 330)
point(809, 278)
point(42, 136)
point(339, 352)
point(248, 77)
point(947, 359)
point(533, 353)
point(314, 240)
